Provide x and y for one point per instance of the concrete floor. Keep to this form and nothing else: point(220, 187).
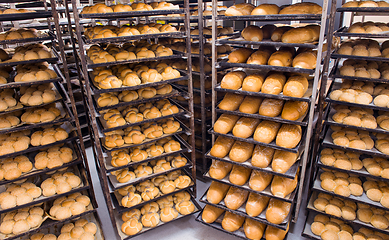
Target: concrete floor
point(187, 228)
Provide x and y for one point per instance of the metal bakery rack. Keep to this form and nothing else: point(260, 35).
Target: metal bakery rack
point(221, 66)
point(67, 118)
point(100, 129)
point(327, 124)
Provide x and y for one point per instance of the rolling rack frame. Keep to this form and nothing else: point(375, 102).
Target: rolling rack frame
point(86, 87)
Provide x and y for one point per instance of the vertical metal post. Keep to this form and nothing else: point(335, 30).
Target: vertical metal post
point(214, 60)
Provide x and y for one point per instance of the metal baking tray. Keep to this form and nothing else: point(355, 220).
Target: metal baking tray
point(266, 192)
point(301, 121)
point(24, 16)
point(363, 9)
point(327, 142)
point(267, 67)
point(265, 42)
point(343, 32)
point(307, 227)
point(356, 221)
point(123, 236)
point(335, 73)
point(275, 17)
point(271, 145)
point(380, 59)
point(175, 55)
point(361, 199)
point(12, 84)
point(291, 173)
point(131, 14)
point(134, 37)
point(241, 211)
point(330, 121)
point(9, 63)
point(45, 37)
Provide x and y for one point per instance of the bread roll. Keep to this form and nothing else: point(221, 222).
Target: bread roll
point(253, 229)
point(266, 131)
point(271, 107)
point(221, 147)
point(253, 82)
point(259, 57)
point(281, 186)
point(240, 55)
point(277, 211)
point(266, 9)
point(241, 151)
point(306, 34)
point(281, 58)
point(283, 160)
point(262, 156)
point(239, 175)
point(216, 192)
point(273, 233)
point(274, 83)
point(233, 80)
point(305, 60)
point(278, 32)
point(231, 102)
point(268, 30)
point(240, 9)
point(259, 180)
point(211, 213)
point(245, 127)
point(219, 169)
point(232, 222)
point(296, 86)
point(252, 33)
point(293, 110)
point(250, 104)
point(256, 204)
point(235, 198)
point(302, 8)
point(225, 123)
point(289, 136)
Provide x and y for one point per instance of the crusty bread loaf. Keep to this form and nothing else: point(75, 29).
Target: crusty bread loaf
point(211, 213)
point(259, 57)
point(296, 86)
point(302, 8)
point(232, 222)
point(240, 9)
point(266, 131)
point(305, 34)
point(277, 211)
point(252, 33)
point(268, 30)
point(276, 36)
point(250, 104)
point(225, 123)
point(253, 229)
point(259, 180)
point(281, 186)
point(293, 110)
point(266, 9)
point(262, 156)
point(305, 60)
point(231, 102)
point(281, 58)
point(245, 127)
point(253, 82)
point(235, 198)
point(273, 233)
point(283, 160)
point(256, 204)
point(240, 55)
point(219, 169)
point(239, 175)
point(233, 80)
point(289, 135)
point(221, 147)
point(271, 107)
point(274, 83)
point(241, 151)
point(216, 192)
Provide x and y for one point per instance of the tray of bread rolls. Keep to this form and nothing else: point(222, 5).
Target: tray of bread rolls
point(363, 9)
point(238, 202)
point(353, 163)
point(356, 187)
point(131, 13)
point(265, 42)
point(275, 17)
point(133, 37)
point(362, 49)
point(17, 37)
point(133, 196)
point(365, 119)
point(321, 204)
point(358, 94)
point(263, 190)
point(112, 164)
point(234, 225)
point(226, 64)
point(344, 32)
point(25, 15)
point(369, 147)
point(146, 171)
point(136, 226)
point(41, 193)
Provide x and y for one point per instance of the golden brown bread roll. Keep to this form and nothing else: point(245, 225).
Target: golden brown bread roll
point(221, 147)
point(262, 156)
point(289, 136)
point(245, 127)
point(271, 107)
point(233, 80)
point(253, 229)
point(277, 211)
point(266, 131)
point(281, 186)
point(235, 198)
point(252, 33)
point(250, 104)
point(266, 9)
point(281, 58)
point(240, 9)
point(259, 180)
point(231, 102)
point(219, 169)
point(240, 55)
point(273, 233)
point(293, 110)
point(302, 8)
point(225, 123)
point(253, 82)
point(256, 204)
point(216, 192)
point(278, 32)
point(283, 160)
point(241, 151)
point(259, 57)
point(232, 222)
point(296, 86)
point(305, 60)
point(274, 83)
point(211, 213)
point(239, 175)
point(305, 34)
